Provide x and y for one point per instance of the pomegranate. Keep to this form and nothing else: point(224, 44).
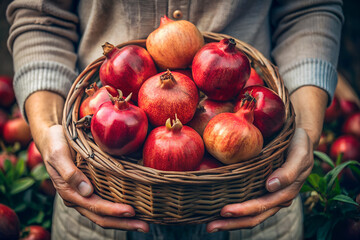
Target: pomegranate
point(333, 112)
point(7, 95)
point(126, 68)
point(15, 112)
point(173, 147)
point(3, 156)
point(3, 119)
point(96, 97)
point(208, 162)
point(220, 70)
point(232, 137)
point(33, 156)
point(47, 187)
point(254, 79)
point(269, 112)
point(348, 145)
point(35, 232)
point(206, 110)
point(174, 44)
point(352, 125)
point(17, 130)
point(9, 223)
point(166, 94)
point(186, 72)
point(118, 127)
point(348, 107)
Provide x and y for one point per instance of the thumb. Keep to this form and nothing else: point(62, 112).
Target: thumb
point(299, 160)
point(58, 156)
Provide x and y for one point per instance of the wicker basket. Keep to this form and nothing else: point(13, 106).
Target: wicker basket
point(164, 197)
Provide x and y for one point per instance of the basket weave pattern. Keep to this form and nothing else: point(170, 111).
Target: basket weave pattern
point(165, 197)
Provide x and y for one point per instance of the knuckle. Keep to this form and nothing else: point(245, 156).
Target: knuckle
point(69, 175)
point(93, 208)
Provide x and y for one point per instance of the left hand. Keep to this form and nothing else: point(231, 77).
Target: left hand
point(283, 184)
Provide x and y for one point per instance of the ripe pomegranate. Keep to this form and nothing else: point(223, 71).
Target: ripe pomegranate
point(174, 44)
point(3, 156)
point(126, 68)
point(348, 145)
point(118, 127)
point(3, 119)
point(232, 137)
point(220, 70)
point(206, 110)
point(33, 156)
point(7, 95)
point(173, 147)
point(254, 79)
point(17, 130)
point(35, 232)
point(348, 107)
point(269, 112)
point(166, 94)
point(352, 125)
point(96, 97)
point(9, 224)
point(333, 112)
point(47, 187)
point(209, 162)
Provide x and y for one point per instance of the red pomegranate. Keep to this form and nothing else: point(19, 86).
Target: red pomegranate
point(17, 130)
point(166, 94)
point(126, 68)
point(348, 107)
point(209, 162)
point(254, 79)
point(348, 145)
point(7, 95)
point(352, 125)
point(333, 112)
point(11, 157)
point(3, 119)
point(220, 70)
point(9, 223)
point(35, 232)
point(33, 156)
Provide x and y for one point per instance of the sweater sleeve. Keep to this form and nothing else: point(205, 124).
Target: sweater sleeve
point(42, 41)
point(306, 42)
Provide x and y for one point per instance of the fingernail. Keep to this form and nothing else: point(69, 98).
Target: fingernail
point(214, 230)
point(273, 185)
point(128, 214)
point(140, 230)
point(227, 215)
point(84, 189)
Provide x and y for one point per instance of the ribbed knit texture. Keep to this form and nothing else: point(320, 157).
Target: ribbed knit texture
point(314, 72)
point(38, 76)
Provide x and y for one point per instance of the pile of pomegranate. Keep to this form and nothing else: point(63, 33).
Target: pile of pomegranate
point(184, 104)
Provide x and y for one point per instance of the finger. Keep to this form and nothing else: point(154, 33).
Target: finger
point(262, 204)
point(59, 157)
point(114, 222)
point(299, 161)
point(242, 222)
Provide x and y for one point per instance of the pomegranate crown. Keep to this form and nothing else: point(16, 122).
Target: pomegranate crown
point(120, 102)
point(176, 125)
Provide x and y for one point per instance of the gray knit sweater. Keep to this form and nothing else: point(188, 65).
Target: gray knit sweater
point(52, 40)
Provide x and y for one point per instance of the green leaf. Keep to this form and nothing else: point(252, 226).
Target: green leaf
point(2, 179)
point(21, 185)
point(313, 180)
point(325, 158)
point(339, 159)
point(20, 207)
point(324, 230)
point(7, 165)
point(345, 199)
point(306, 188)
point(322, 185)
point(19, 168)
point(332, 175)
point(40, 173)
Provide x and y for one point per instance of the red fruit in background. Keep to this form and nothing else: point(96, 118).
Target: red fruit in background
point(15, 112)
point(186, 72)
point(206, 110)
point(3, 119)
point(126, 68)
point(47, 187)
point(173, 147)
point(34, 232)
point(209, 162)
point(96, 97)
point(166, 94)
point(220, 70)
point(352, 125)
point(118, 127)
point(269, 112)
point(7, 95)
point(333, 112)
point(232, 137)
point(348, 145)
point(9, 156)
point(348, 107)
point(33, 156)
point(17, 130)
point(9, 224)
point(254, 79)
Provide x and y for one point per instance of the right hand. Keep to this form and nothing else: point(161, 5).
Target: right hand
point(44, 111)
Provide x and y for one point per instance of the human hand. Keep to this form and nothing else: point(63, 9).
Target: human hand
point(283, 184)
point(43, 112)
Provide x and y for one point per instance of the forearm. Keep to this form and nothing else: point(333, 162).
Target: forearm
point(310, 104)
